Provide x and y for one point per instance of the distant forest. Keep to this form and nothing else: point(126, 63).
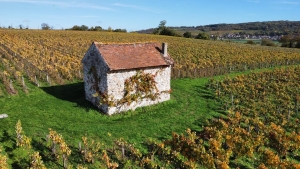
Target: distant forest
point(271, 28)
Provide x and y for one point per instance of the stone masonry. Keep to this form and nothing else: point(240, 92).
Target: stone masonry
point(103, 75)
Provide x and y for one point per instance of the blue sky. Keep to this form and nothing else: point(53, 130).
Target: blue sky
point(135, 15)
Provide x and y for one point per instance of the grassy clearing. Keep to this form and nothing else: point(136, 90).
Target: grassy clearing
point(64, 109)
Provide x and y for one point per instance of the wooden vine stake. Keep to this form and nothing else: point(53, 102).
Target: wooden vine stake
point(23, 82)
point(36, 81)
point(48, 79)
point(24, 85)
point(11, 87)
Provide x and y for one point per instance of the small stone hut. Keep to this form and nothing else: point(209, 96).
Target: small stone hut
point(120, 77)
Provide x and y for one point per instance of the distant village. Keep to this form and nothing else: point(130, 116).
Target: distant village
point(239, 37)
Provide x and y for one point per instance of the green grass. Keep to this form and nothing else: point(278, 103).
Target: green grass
point(64, 109)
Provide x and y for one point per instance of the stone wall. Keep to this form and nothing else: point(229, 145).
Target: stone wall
point(115, 83)
point(94, 63)
point(98, 78)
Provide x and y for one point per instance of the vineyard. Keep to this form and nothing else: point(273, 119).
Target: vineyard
point(258, 131)
point(257, 124)
point(54, 57)
point(263, 119)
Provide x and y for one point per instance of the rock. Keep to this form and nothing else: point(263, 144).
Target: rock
point(3, 116)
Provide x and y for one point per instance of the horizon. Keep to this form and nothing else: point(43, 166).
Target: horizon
point(141, 15)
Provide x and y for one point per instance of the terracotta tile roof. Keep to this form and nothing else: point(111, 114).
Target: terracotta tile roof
point(131, 56)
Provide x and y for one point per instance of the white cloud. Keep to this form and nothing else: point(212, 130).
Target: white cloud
point(134, 7)
point(61, 4)
point(289, 2)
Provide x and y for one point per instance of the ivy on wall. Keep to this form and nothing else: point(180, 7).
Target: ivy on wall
point(140, 86)
point(137, 87)
point(104, 98)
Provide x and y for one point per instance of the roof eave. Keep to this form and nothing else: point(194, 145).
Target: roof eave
point(137, 68)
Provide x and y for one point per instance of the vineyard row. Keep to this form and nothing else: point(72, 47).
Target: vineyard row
point(54, 57)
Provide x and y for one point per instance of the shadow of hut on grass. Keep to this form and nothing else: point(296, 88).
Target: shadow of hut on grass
point(71, 92)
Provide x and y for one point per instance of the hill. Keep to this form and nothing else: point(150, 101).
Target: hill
point(271, 28)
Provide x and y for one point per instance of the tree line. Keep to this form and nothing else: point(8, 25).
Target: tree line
point(289, 40)
point(268, 28)
point(162, 29)
point(46, 26)
point(96, 28)
point(271, 28)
